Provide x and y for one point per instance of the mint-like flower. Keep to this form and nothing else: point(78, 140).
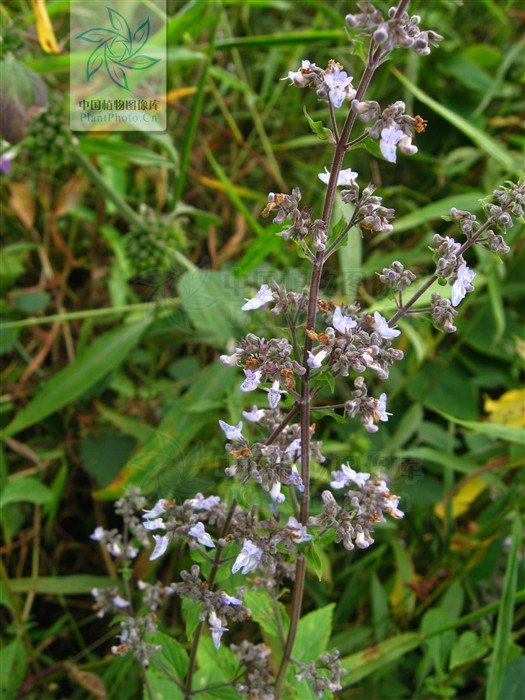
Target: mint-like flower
point(118, 50)
point(248, 559)
point(462, 285)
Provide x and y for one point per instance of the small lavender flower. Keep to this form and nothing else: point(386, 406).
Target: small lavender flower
point(201, 535)
point(229, 599)
point(339, 85)
point(315, 361)
point(155, 524)
point(158, 509)
point(232, 432)
point(342, 478)
point(341, 323)
point(217, 629)
point(249, 558)
point(274, 394)
point(263, 296)
point(255, 415)
point(462, 285)
point(304, 76)
point(161, 545)
point(275, 492)
point(201, 503)
point(229, 360)
point(297, 531)
point(252, 381)
point(346, 177)
point(382, 327)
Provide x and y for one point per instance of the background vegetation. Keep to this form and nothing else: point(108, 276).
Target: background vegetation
point(126, 259)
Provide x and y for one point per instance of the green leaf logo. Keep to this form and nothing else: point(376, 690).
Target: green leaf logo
point(117, 49)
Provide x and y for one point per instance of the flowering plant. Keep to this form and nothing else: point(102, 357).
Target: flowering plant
point(267, 546)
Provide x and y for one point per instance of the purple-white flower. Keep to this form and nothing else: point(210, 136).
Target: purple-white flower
point(382, 327)
point(295, 479)
point(297, 531)
point(462, 285)
point(161, 545)
point(201, 503)
point(217, 628)
point(201, 535)
point(263, 296)
point(120, 602)
point(155, 524)
point(255, 415)
point(339, 84)
point(390, 138)
point(394, 510)
point(380, 411)
point(341, 323)
point(346, 177)
point(302, 77)
point(232, 432)
point(229, 360)
point(274, 394)
point(98, 534)
point(229, 599)
point(249, 558)
point(363, 541)
point(347, 474)
point(158, 509)
point(252, 381)
point(316, 361)
point(275, 492)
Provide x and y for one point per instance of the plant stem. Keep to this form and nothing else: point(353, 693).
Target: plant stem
point(196, 637)
point(337, 162)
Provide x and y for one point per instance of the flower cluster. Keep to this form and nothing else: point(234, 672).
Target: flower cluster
point(286, 206)
point(216, 606)
point(258, 677)
point(332, 83)
point(133, 638)
point(363, 507)
point(393, 127)
point(323, 674)
point(396, 277)
point(355, 342)
point(395, 31)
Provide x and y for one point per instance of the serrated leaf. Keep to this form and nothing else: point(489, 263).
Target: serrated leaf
point(191, 611)
point(263, 611)
point(313, 632)
point(313, 558)
point(173, 655)
point(322, 132)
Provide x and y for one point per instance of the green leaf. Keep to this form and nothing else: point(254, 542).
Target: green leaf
point(439, 645)
point(123, 151)
point(512, 686)
point(162, 688)
point(173, 655)
point(100, 358)
point(380, 609)
point(376, 658)
point(104, 456)
point(75, 584)
point(27, 489)
point(313, 632)
point(496, 670)
point(13, 661)
point(263, 611)
point(498, 432)
point(191, 611)
point(216, 666)
point(322, 132)
point(314, 560)
point(467, 648)
point(32, 302)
